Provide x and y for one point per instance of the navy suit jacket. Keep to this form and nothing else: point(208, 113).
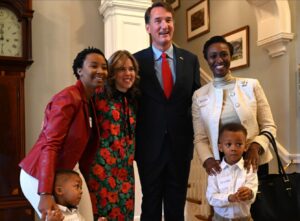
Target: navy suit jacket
point(158, 116)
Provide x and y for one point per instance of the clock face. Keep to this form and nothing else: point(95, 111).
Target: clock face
point(10, 34)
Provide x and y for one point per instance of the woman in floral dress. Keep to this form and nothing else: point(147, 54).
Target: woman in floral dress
point(111, 179)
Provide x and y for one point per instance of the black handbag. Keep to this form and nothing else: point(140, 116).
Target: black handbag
point(278, 195)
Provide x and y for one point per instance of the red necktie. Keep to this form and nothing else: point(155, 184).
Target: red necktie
point(166, 75)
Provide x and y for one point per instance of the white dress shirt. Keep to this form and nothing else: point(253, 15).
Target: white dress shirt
point(70, 214)
point(231, 178)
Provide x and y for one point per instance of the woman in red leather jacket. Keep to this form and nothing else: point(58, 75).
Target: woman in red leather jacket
point(69, 136)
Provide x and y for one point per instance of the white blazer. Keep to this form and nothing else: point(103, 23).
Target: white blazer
point(251, 106)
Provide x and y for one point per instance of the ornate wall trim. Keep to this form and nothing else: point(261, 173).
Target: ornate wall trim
point(273, 25)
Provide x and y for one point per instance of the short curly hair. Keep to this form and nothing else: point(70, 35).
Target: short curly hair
point(216, 39)
point(233, 127)
point(78, 61)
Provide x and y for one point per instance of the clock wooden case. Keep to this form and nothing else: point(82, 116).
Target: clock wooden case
point(15, 58)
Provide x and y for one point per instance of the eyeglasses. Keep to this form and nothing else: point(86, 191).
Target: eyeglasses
point(124, 69)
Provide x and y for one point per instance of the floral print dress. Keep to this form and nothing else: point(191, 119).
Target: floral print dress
point(111, 178)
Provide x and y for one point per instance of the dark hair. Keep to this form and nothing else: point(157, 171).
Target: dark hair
point(115, 59)
point(64, 172)
point(61, 176)
point(164, 5)
point(78, 61)
point(216, 39)
point(233, 127)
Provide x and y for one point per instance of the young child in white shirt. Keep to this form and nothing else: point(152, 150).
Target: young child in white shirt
point(233, 190)
point(67, 193)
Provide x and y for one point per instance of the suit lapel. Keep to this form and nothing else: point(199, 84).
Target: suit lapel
point(179, 69)
point(150, 73)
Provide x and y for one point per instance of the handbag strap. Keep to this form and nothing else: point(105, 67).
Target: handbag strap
point(281, 170)
point(271, 138)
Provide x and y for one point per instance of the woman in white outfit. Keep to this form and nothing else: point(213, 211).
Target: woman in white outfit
point(230, 99)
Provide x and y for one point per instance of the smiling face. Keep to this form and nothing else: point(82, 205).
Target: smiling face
point(161, 28)
point(233, 145)
point(218, 59)
point(93, 72)
point(125, 74)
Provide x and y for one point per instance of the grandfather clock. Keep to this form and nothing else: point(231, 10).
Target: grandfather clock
point(15, 58)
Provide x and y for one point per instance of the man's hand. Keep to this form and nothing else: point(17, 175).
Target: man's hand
point(212, 166)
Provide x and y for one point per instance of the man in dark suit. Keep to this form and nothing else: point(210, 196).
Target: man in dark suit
point(164, 135)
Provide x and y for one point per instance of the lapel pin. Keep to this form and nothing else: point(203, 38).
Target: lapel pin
point(181, 58)
point(244, 83)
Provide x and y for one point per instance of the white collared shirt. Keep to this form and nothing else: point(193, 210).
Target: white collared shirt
point(70, 214)
point(231, 178)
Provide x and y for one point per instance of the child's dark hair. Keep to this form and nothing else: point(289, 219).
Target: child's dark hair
point(66, 173)
point(234, 127)
point(61, 177)
point(78, 61)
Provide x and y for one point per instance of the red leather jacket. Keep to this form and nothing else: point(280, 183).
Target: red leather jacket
point(66, 138)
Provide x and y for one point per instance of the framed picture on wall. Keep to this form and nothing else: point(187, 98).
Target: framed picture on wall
point(197, 18)
point(239, 39)
point(174, 3)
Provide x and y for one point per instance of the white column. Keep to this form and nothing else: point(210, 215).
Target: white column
point(124, 28)
point(124, 25)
